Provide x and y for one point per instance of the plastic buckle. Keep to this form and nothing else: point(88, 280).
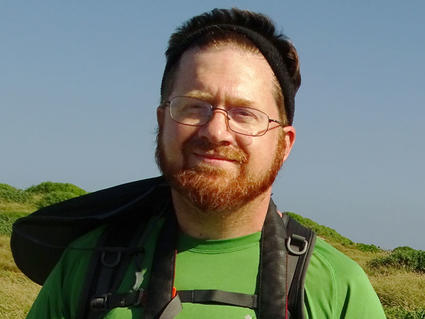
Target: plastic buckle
point(100, 303)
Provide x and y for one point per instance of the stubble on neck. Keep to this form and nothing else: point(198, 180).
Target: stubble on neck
point(244, 220)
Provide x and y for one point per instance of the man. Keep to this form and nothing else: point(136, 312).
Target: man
point(224, 131)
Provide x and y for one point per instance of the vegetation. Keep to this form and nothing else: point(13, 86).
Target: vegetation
point(368, 248)
point(6, 221)
point(398, 276)
point(36, 197)
point(402, 258)
point(17, 292)
point(11, 194)
point(50, 187)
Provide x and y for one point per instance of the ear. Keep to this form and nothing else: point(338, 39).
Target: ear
point(289, 140)
point(160, 113)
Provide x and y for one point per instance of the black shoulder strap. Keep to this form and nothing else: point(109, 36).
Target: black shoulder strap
point(115, 248)
point(161, 283)
point(300, 244)
point(272, 275)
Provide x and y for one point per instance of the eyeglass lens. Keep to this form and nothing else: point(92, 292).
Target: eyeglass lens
point(244, 120)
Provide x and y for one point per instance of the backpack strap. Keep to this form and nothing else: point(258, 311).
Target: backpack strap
point(300, 244)
point(209, 296)
point(90, 278)
point(115, 249)
point(161, 283)
point(219, 297)
point(273, 272)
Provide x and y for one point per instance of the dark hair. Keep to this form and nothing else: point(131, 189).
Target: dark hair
point(241, 27)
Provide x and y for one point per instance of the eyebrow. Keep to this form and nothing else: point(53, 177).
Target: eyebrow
point(230, 101)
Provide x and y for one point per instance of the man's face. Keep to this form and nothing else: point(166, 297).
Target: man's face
point(212, 166)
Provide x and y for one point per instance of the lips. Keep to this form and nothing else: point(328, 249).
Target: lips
point(215, 156)
point(207, 150)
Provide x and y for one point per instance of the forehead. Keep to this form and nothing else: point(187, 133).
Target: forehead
point(224, 73)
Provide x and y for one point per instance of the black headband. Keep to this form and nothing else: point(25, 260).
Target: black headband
point(267, 49)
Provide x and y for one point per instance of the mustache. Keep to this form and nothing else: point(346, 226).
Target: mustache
point(229, 152)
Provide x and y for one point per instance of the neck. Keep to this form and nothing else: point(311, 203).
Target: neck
point(242, 221)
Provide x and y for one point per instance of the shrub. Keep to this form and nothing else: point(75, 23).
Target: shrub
point(368, 248)
point(49, 187)
point(402, 257)
point(11, 194)
point(55, 197)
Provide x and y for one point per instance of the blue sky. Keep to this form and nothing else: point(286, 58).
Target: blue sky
point(79, 84)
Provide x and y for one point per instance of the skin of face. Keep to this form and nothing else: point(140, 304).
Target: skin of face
point(226, 76)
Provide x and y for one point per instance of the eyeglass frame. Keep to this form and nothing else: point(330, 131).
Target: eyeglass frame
point(213, 108)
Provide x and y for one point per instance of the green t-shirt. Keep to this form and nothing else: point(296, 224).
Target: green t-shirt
point(336, 287)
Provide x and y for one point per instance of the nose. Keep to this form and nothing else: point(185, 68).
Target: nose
point(216, 130)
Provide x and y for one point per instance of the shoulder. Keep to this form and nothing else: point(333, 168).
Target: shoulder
point(331, 272)
point(330, 260)
point(337, 287)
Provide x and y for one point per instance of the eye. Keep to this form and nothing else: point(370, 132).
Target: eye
point(195, 107)
point(243, 115)
point(198, 106)
point(191, 108)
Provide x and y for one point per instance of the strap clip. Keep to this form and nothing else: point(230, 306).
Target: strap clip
point(100, 303)
point(109, 300)
point(299, 239)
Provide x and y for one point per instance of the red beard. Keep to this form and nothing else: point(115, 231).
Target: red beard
point(214, 189)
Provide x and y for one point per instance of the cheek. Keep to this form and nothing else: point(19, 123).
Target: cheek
point(262, 150)
point(173, 138)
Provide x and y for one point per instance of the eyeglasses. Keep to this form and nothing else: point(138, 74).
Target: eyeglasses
point(242, 120)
